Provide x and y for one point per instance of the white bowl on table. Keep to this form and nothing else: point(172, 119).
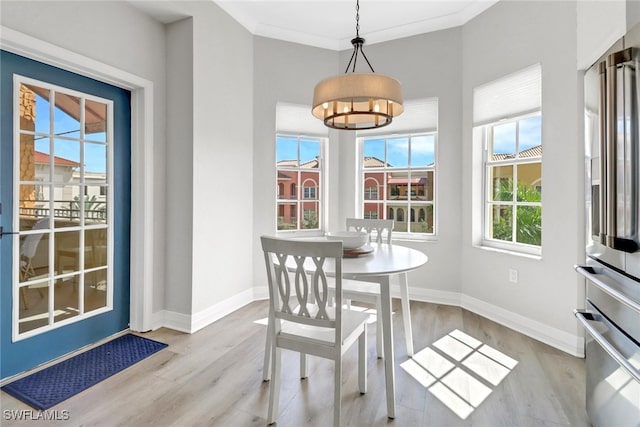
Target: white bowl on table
point(350, 239)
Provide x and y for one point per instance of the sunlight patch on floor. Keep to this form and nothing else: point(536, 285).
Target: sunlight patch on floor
point(459, 370)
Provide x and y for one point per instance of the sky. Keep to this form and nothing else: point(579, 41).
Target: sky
point(504, 136)
point(421, 153)
point(287, 149)
point(63, 124)
point(401, 153)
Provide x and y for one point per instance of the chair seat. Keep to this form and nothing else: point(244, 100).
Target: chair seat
point(352, 322)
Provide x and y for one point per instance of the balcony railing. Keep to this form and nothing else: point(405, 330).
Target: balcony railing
point(64, 213)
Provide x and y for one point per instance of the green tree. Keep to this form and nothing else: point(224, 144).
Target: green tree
point(528, 218)
point(310, 220)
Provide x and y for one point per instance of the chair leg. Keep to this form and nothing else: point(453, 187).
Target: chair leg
point(337, 391)
point(362, 361)
point(379, 336)
point(304, 366)
point(274, 387)
point(406, 314)
point(266, 367)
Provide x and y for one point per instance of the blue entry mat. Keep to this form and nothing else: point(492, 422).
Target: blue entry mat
point(46, 388)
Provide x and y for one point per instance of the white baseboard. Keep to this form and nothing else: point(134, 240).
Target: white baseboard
point(429, 295)
point(260, 293)
point(193, 323)
point(172, 320)
point(561, 340)
point(218, 311)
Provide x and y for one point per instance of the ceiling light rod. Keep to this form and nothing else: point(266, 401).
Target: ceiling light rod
point(357, 43)
point(357, 101)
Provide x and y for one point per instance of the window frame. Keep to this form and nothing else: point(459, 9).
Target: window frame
point(411, 204)
point(487, 204)
point(321, 195)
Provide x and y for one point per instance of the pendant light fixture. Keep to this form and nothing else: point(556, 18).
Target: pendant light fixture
point(357, 101)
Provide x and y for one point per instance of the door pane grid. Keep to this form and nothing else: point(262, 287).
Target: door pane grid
point(62, 176)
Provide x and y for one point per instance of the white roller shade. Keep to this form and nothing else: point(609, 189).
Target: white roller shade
point(513, 95)
point(296, 119)
point(420, 115)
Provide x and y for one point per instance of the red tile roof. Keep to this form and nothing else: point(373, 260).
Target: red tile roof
point(373, 162)
point(531, 152)
point(311, 164)
point(43, 158)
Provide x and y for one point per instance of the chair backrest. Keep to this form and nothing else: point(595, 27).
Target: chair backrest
point(383, 228)
point(31, 241)
point(305, 261)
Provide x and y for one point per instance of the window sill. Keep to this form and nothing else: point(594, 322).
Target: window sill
point(292, 234)
point(399, 237)
point(513, 252)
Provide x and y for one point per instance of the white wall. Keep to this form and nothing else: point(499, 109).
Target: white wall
point(179, 177)
point(283, 72)
point(209, 186)
point(508, 37)
point(599, 25)
point(223, 208)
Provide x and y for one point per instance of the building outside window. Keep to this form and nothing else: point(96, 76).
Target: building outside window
point(398, 179)
point(299, 178)
point(508, 122)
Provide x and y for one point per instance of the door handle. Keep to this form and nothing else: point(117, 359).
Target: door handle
point(591, 275)
point(584, 317)
point(3, 233)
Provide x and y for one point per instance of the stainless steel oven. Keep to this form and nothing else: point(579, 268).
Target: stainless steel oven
point(612, 321)
point(611, 316)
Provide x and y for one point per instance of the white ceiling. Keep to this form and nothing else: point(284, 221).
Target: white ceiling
point(331, 24)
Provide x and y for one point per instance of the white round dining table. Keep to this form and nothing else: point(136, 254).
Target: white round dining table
point(378, 266)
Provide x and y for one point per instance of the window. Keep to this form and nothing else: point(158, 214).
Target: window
point(63, 144)
point(309, 192)
point(398, 177)
point(299, 167)
point(514, 179)
point(398, 170)
point(507, 113)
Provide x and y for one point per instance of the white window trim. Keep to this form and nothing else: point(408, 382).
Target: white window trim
point(513, 246)
point(400, 235)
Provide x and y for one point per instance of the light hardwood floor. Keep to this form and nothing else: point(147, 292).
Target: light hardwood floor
point(214, 378)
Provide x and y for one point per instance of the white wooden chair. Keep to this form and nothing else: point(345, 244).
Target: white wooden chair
point(298, 325)
point(381, 230)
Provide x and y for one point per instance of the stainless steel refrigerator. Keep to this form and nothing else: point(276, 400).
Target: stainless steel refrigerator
point(611, 315)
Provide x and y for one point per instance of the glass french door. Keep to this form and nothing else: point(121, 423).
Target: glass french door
point(65, 169)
